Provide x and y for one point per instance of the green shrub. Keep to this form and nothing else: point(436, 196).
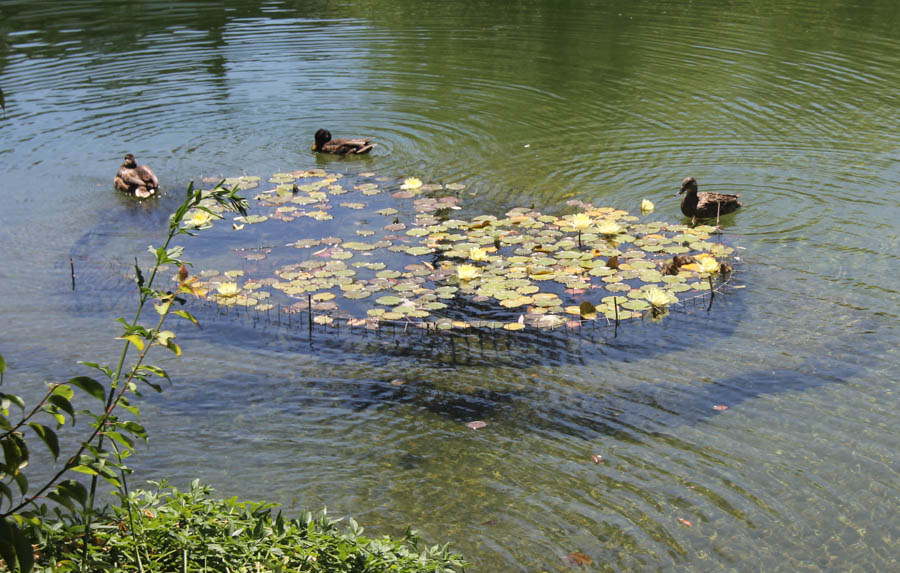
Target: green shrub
point(192, 531)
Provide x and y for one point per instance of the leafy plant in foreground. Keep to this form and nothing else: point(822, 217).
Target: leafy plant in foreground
point(95, 455)
point(192, 531)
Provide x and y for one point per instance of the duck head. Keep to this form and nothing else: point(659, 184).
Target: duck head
point(323, 136)
point(688, 184)
point(129, 161)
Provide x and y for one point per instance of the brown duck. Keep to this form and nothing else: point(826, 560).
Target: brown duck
point(325, 144)
point(134, 179)
point(705, 205)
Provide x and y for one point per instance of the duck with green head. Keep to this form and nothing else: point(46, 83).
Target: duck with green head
point(325, 144)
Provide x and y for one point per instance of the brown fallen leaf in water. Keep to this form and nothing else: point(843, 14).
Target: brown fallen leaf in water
point(476, 424)
point(720, 407)
point(577, 558)
point(685, 522)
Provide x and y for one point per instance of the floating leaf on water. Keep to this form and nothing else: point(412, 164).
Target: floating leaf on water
point(234, 274)
point(577, 558)
point(513, 326)
point(389, 300)
point(587, 310)
point(356, 206)
point(323, 319)
point(358, 246)
point(251, 219)
point(322, 296)
point(319, 215)
point(388, 212)
point(418, 251)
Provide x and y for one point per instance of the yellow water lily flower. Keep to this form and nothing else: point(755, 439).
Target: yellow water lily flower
point(581, 221)
point(227, 289)
point(198, 219)
point(646, 206)
point(656, 297)
point(477, 254)
point(609, 228)
point(412, 183)
point(466, 272)
point(709, 265)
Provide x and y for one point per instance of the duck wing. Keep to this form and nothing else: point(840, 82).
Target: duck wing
point(148, 178)
point(128, 176)
point(345, 146)
point(711, 204)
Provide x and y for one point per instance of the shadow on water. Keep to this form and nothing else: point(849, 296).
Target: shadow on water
point(414, 356)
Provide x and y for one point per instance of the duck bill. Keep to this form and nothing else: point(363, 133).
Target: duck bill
point(680, 191)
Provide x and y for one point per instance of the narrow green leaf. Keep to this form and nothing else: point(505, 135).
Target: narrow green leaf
point(138, 275)
point(84, 470)
point(174, 347)
point(164, 336)
point(62, 500)
point(5, 492)
point(13, 456)
point(90, 386)
point(133, 428)
point(155, 370)
point(134, 339)
point(124, 441)
point(63, 391)
point(22, 482)
point(187, 315)
point(105, 369)
point(8, 531)
point(24, 551)
point(74, 489)
point(2, 364)
point(62, 404)
point(48, 436)
point(163, 308)
point(17, 400)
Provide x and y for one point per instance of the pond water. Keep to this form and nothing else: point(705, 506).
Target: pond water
point(793, 104)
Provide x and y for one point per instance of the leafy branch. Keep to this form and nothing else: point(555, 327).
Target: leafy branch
point(90, 456)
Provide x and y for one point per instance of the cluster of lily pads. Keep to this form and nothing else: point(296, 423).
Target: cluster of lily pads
point(372, 250)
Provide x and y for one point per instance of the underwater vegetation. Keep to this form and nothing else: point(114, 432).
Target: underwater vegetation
point(367, 251)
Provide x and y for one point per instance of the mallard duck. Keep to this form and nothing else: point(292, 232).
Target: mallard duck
point(134, 179)
point(325, 144)
point(705, 205)
point(674, 266)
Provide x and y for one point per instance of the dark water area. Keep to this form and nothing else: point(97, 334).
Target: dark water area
point(794, 105)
